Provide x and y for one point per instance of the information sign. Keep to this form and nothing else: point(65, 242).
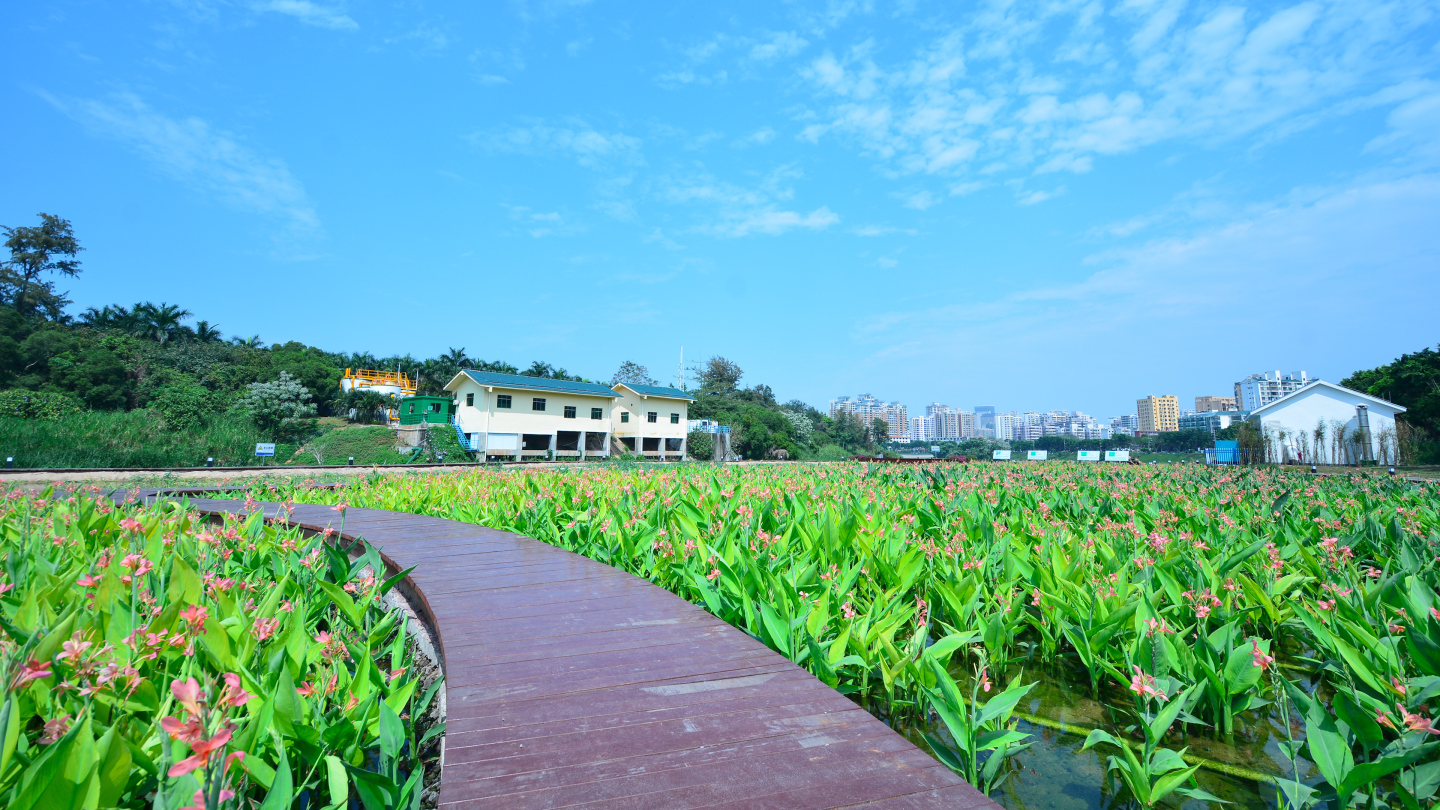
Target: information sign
point(264, 449)
point(1087, 455)
point(1002, 455)
point(1037, 455)
point(1117, 455)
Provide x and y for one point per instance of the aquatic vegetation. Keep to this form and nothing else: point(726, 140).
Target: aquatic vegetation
point(1201, 579)
point(150, 658)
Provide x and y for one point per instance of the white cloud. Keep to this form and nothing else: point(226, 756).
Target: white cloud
point(192, 152)
point(778, 46)
point(310, 14)
point(742, 211)
point(1037, 196)
point(981, 96)
point(574, 139)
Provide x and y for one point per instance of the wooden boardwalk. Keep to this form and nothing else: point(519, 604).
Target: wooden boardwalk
point(573, 684)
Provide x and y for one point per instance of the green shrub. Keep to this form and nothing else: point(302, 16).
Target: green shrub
point(701, 445)
point(832, 452)
point(37, 404)
point(184, 406)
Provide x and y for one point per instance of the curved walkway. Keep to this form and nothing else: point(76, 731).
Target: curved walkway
point(573, 684)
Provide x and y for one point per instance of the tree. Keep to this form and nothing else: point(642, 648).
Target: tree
point(632, 373)
point(207, 333)
point(277, 407)
point(159, 323)
point(252, 342)
point(879, 432)
point(719, 376)
point(1412, 380)
point(456, 357)
point(35, 252)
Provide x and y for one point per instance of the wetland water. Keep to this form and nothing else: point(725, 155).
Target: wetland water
point(1055, 774)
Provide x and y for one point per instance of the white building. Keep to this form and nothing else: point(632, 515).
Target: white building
point(1258, 390)
point(1325, 423)
point(514, 416)
point(869, 408)
point(1006, 425)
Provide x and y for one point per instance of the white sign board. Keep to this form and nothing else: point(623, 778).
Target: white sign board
point(1117, 455)
point(1037, 455)
point(1002, 455)
point(264, 449)
point(934, 448)
point(1087, 455)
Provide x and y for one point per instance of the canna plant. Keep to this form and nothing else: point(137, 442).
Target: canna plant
point(980, 726)
point(152, 659)
point(1154, 772)
point(1200, 575)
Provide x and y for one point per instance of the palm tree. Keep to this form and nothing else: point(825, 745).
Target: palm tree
point(457, 357)
point(252, 342)
point(206, 333)
point(539, 369)
point(160, 323)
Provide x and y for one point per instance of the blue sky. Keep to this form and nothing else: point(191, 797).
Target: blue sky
point(1031, 205)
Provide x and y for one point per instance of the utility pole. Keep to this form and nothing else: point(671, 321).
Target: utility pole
point(681, 373)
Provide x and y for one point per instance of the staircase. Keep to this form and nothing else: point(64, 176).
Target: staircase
point(460, 434)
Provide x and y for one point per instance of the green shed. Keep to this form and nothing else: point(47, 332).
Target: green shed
point(432, 410)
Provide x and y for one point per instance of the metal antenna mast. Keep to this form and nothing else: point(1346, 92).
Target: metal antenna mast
point(681, 373)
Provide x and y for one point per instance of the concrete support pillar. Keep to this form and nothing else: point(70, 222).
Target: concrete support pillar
point(581, 444)
point(554, 437)
point(607, 444)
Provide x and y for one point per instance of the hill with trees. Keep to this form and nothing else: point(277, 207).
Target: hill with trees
point(151, 385)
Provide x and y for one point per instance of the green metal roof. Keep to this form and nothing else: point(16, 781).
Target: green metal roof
point(659, 391)
point(538, 384)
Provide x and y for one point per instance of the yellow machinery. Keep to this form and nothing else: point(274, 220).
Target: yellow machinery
point(385, 383)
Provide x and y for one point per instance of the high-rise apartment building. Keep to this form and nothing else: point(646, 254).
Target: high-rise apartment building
point(1259, 390)
point(1157, 414)
point(941, 422)
point(1213, 404)
point(1006, 425)
point(985, 417)
point(868, 408)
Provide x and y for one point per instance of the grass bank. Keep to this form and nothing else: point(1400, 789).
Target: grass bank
point(118, 439)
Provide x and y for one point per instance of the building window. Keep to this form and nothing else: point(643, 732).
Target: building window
point(569, 411)
point(624, 416)
point(597, 413)
point(674, 418)
point(537, 404)
point(469, 400)
point(652, 417)
point(502, 401)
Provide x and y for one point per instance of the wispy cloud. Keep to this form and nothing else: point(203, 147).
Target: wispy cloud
point(573, 139)
point(742, 211)
point(995, 93)
point(203, 158)
point(310, 14)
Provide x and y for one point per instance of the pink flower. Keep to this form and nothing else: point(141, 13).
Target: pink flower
point(1324, 605)
point(1035, 597)
point(1258, 657)
point(323, 637)
point(55, 729)
point(714, 574)
point(130, 525)
point(234, 694)
point(87, 581)
point(847, 611)
point(200, 753)
point(286, 607)
point(1417, 722)
point(74, 648)
point(265, 628)
point(985, 679)
point(1145, 685)
point(4, 587)
point(186, 732)
point(305, 689)
point(199, 799)
point(33, 670)
point(195, 617)
point(187, 693)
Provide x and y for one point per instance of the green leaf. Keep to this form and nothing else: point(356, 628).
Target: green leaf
point(336, 781)
point(1366, 773)
point(1167, 784)
point(114, 767)
point(184, 584)
point(10, 729)
point(1002, 704)
point(392, 734)
point(288, 711)
point(282, 787)
point(1166, 717)
point(1328, 750)
point(346, 605)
